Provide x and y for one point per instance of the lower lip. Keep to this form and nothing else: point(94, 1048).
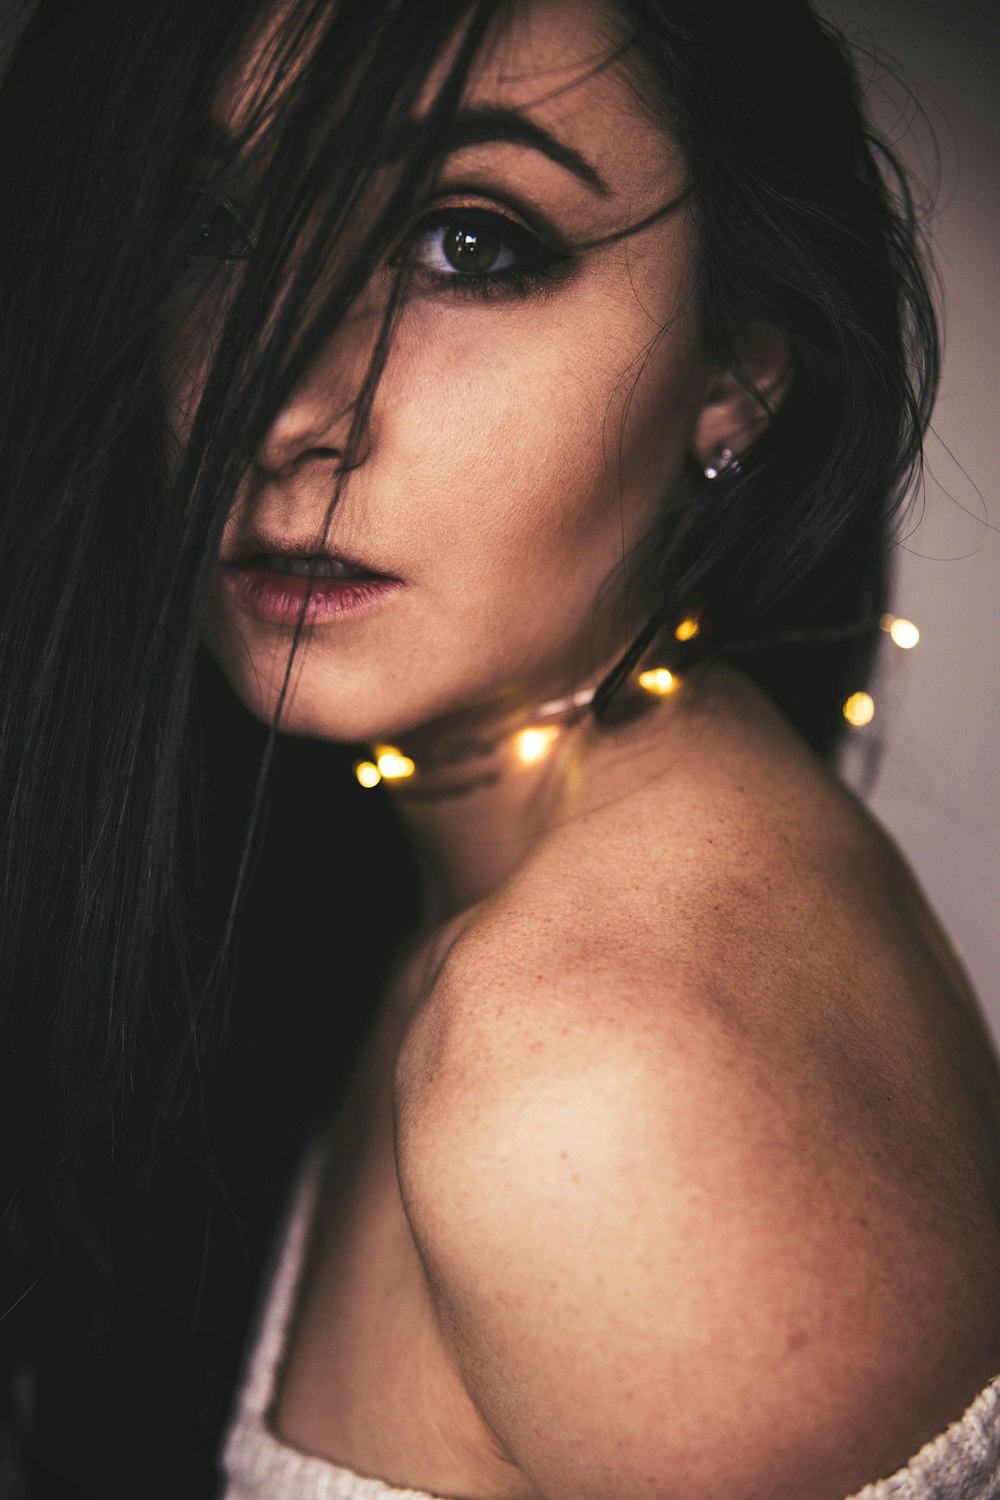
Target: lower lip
point(281, 598)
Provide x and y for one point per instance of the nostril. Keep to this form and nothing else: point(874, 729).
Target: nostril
point(283, 465)
point(281, 456)
point(321, 455)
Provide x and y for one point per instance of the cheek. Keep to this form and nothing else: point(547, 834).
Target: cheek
point(545, 429)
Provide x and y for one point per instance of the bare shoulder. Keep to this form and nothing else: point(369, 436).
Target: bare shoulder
point(731, 891)
point(689, 1153)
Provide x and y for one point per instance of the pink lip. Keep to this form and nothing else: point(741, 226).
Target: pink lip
point(278, 597)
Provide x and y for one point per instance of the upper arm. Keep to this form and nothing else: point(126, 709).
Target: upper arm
point(653, 1282)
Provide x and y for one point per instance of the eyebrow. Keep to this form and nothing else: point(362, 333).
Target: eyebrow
point(478, 127)
point(468, 127)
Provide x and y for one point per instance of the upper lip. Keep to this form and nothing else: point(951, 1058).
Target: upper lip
point(258, 543)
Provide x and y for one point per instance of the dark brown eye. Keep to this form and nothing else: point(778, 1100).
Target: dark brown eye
point(475, 252)
point(471, 244)
point(219, 230)
point(473, 249)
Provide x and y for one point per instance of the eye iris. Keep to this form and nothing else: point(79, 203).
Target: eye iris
point(469, 249)
point(219, 235)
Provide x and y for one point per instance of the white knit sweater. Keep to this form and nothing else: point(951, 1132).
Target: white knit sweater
point(963, 1463)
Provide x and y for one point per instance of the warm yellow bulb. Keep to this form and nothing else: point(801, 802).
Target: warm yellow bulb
point(367, 772)
point(658, 680)
point(859, 709)
point(904, 633)
point(532, 744)
point(393, 764)
point(687, 630)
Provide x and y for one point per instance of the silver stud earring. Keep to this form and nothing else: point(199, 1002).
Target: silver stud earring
point(723, 461)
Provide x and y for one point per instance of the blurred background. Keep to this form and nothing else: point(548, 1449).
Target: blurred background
point(937, 706)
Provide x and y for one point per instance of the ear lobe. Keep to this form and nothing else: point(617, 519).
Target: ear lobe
point(738, 407)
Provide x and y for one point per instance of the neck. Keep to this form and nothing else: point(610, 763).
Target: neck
point(478, 793)
point(471, 838)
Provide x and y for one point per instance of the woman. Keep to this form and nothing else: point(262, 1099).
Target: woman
point(525, 390)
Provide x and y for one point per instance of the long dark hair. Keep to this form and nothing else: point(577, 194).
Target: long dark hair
point(136, 903)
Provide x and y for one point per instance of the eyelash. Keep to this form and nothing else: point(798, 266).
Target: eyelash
point(540, 264)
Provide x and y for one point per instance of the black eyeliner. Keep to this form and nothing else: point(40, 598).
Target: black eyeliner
point(544, 265)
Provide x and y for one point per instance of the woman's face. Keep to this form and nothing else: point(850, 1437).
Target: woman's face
point(524, 436)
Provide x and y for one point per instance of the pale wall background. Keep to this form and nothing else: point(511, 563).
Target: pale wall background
point(938, 706)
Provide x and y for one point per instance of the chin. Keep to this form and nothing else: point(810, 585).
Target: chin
point(301, 718)
point(307, 712)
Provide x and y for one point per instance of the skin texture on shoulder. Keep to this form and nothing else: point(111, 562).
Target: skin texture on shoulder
point(688, 1149)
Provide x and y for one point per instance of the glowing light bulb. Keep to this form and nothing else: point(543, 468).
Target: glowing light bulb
point(904, 633)
point(658, 680)
point(687, 630)
point(393, 764)
point(859, 709)
point(532, 744)
point(367, 772)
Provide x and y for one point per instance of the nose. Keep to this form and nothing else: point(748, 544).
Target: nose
point(306, 431)
point(316, 422)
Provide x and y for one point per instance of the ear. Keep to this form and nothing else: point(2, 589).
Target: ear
point(733, 415)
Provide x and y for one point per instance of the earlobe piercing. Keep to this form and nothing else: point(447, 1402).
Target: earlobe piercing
point(723, 461)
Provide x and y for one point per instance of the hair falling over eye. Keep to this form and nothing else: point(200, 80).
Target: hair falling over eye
point(811, 229)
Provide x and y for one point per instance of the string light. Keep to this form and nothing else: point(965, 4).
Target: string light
point(527, 746)
point(903, 633)
point(392, 763)
point(658, 680)
point(687, 630)
point(859, 709)
point(530, 745)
